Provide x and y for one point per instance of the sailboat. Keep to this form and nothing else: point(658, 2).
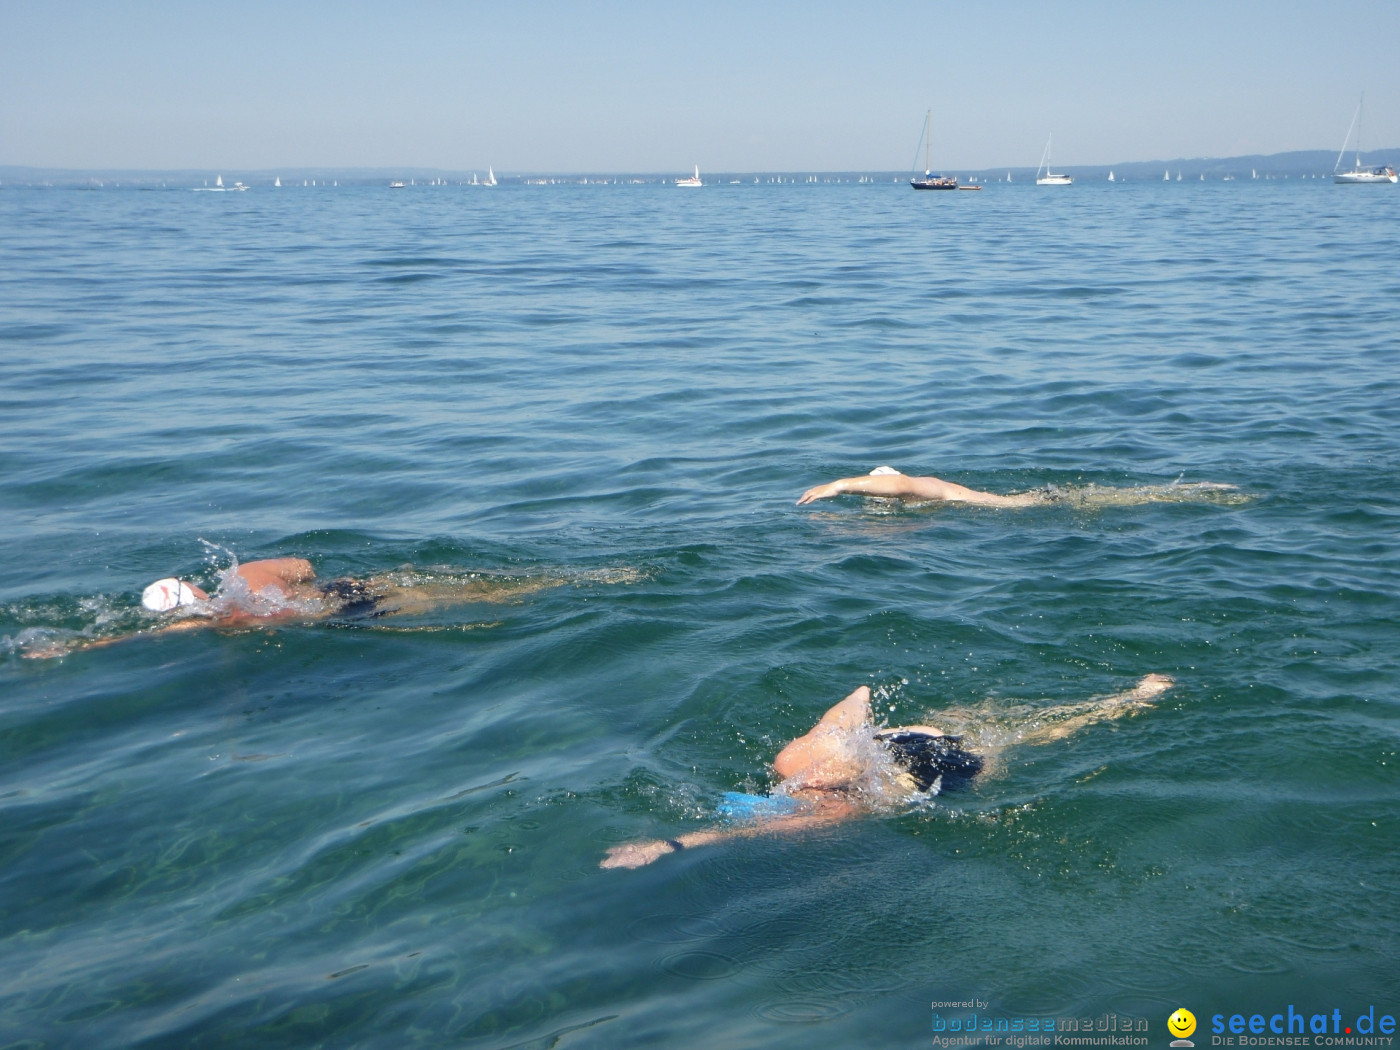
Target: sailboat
point(1359, 176)
point(1167, 175)
point(694, 180)
point(1050, 178)
point(930, 181)
point(490, 177)
point(1110, 176)
point(277, 181)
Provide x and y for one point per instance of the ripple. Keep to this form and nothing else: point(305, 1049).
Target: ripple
point(802, 1011)
point(673, 929)
point(700, 965)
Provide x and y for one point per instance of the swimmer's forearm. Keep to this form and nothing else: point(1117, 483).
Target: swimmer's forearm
point(639, 854)
point(784, 825)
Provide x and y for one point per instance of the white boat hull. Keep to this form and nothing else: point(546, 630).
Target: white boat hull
point(1364, 178)
point(1054, 180)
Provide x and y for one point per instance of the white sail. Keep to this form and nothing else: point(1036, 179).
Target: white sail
point(1355, 121)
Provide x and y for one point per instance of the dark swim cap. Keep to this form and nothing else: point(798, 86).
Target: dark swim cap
point(926, 758)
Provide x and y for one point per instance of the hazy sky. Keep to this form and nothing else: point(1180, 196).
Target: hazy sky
point(656, 86)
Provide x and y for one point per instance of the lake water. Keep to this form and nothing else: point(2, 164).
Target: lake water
point(387, 833)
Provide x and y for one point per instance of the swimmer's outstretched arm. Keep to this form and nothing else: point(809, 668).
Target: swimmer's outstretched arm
point(63, 647)
point(814, 761)
point(902, 486)
point(638, 854)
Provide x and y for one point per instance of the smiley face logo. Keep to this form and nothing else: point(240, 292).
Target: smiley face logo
point(1182, 1023)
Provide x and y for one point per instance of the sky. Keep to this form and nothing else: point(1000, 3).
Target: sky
point(661, 87)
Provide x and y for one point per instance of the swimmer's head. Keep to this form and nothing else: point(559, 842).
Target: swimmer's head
point(167, 594)
point(923, 758)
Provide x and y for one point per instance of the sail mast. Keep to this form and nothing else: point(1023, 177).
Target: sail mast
point(1359, 103)
point(928, 134)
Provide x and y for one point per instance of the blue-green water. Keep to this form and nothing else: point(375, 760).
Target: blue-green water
point(388, 834)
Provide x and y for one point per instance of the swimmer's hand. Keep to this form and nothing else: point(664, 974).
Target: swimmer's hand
point(1145, 693)
point(46, 651)
point(1152, 685)
point(636, 854)
point(832, 488)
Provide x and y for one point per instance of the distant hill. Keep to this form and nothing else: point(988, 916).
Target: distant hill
point(1299, 162)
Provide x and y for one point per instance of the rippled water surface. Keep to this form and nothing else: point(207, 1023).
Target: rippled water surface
point(386, 833)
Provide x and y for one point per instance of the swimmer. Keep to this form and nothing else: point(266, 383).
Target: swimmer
point(845, 766)
point(285, 590)
point(888, 483)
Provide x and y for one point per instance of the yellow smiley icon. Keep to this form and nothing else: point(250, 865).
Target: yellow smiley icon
point(1182, 1023)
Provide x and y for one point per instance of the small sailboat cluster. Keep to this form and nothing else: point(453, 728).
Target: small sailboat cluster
point(219, 187)
point(1045, 175)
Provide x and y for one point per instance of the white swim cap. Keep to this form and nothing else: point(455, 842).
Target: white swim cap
point(167, 594)
point(883, 470)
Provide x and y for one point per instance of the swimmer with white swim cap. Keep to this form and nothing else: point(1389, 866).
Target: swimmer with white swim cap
point(280, 581)
point(285, 590)
point(844, 766)
point(170, 593)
